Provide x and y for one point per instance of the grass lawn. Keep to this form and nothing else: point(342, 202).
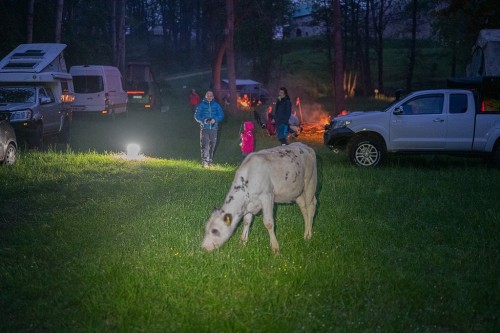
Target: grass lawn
point(93, 243)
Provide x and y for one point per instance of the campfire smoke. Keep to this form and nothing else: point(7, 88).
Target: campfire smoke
point(313, 119)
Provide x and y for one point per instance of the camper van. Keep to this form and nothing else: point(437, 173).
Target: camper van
point(36, 92)
point(98, 90)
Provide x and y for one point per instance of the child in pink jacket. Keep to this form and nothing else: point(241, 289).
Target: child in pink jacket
point(247, 139)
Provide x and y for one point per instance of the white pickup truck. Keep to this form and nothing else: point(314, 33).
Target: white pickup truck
point(445, 121)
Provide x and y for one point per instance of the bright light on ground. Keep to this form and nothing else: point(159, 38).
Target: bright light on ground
point(133, 153)
point(133, 150)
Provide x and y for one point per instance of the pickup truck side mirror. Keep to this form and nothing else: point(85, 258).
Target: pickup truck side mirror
point(399, 110)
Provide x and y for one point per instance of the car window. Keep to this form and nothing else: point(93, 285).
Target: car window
point(427, 104)
point(458, 103)
point(46, 92)
point(17, 94)
point(88, 84)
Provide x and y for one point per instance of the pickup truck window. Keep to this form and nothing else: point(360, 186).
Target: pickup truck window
point(426, 104)
point(47, 93)
point(458, 103)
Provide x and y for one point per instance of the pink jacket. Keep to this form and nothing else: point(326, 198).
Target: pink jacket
point(247, 139)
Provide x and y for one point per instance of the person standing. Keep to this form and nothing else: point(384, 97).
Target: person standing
point(194, 99)
point(282, 113)
point(208, 114)
point(247, 138)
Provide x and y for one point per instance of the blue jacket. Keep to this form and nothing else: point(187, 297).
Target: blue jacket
point(206, 111)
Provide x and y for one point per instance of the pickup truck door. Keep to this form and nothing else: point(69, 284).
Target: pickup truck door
point(419, 124)
point(50, 109)
point(460, 125)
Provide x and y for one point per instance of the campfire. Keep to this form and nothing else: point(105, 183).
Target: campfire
point(313, 121)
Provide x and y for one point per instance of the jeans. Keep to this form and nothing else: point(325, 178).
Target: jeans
point(208, 140)
point(282, 132)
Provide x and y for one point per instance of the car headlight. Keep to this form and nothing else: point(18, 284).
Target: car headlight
point(23, 115)
point(341, 123)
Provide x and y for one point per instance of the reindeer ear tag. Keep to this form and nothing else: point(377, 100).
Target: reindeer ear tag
point(227, 219)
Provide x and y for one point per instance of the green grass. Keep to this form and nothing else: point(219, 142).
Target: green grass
point(93, 243)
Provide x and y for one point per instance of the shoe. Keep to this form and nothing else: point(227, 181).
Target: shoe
point(205, 165)
point(283, 144)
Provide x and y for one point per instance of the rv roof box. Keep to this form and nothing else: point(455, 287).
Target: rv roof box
point(35, 58)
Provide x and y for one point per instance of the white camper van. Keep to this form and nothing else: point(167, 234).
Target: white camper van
point(36, 92)
point(98, 89)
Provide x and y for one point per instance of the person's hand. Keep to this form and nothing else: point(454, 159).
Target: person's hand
point(207, 121)
point(212, 121)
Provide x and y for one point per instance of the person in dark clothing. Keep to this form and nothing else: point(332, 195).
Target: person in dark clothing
point(282, 113)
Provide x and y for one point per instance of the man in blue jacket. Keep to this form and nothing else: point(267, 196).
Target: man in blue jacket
point(208, 114)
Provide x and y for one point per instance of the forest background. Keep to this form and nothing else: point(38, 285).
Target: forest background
point(249, 39)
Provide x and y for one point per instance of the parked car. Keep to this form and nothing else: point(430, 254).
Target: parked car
point(440, 121)
point(142, 89)
point(255, 91)
point(8, 142)
point(98, 90)
point(37, 91)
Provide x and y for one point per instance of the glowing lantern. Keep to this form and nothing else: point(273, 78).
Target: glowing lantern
point(133, 150)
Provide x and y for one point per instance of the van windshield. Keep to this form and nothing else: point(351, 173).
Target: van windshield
point(17, 94)
point(88, 84)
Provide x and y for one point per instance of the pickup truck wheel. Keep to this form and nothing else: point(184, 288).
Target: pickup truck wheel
point(366, 152)
point(10, 154)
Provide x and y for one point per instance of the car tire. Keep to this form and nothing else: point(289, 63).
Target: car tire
point(367, 152)
point(10, 154)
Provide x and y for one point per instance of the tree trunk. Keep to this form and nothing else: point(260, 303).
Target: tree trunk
point(216, 70)
point(365, 67)
point(379, 23)
point(121, 36)
point(380, 48)
point(113, 32)
point(231, 69)
point(29, 28)
point(339, 102)
point(59, 14)
point(411, 65)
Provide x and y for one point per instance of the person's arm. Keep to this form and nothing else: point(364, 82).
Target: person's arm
point(198, 114)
